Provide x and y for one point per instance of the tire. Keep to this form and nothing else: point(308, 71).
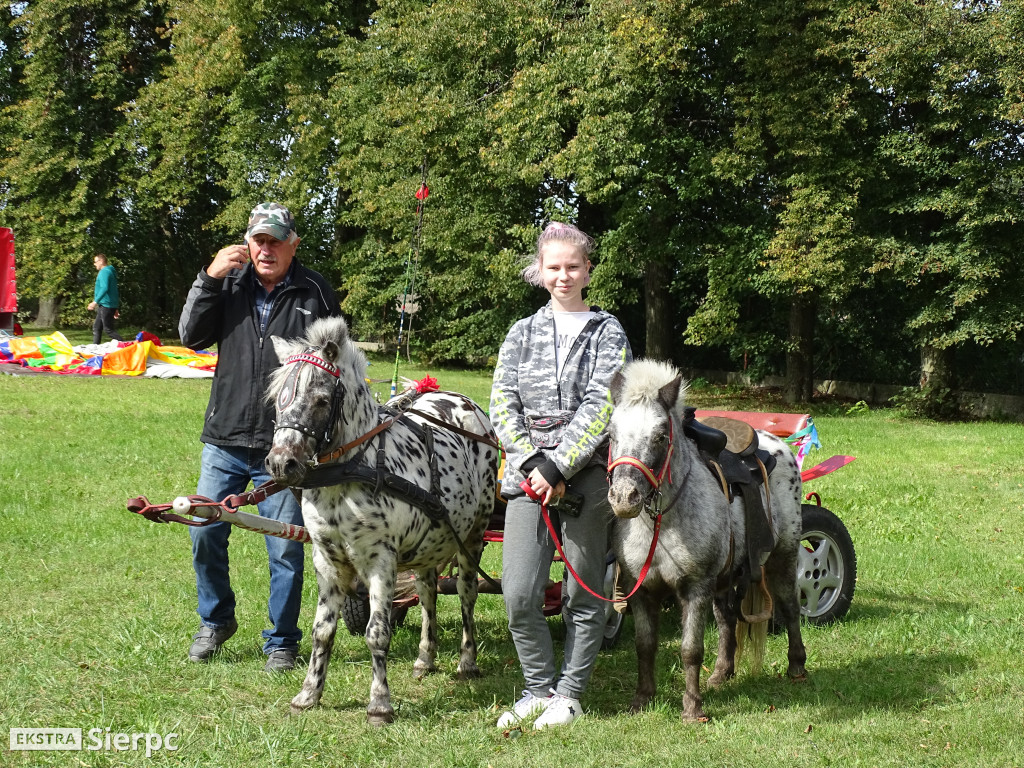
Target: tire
point(826, 566)
point(355, 612)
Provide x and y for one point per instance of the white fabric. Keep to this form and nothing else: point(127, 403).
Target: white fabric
point(567, 329)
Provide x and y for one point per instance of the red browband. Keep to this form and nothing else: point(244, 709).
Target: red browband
point(319, 362)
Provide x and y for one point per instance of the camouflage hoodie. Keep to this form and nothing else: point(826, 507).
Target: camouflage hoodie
point(526, 390)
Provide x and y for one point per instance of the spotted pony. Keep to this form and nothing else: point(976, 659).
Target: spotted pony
point(698, 556)
point(363, 530)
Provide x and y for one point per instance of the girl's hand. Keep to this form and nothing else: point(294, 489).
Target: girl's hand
point(544, 489)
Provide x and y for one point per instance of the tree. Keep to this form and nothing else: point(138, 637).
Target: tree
point(801, 141)
point(420, 91)
point(82, 61)
point(949, 224)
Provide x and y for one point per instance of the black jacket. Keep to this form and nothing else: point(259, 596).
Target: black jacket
point(222, 312)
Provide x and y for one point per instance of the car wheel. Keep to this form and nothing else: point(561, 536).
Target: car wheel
point(826, 566)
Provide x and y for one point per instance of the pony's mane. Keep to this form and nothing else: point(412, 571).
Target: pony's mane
point(318, 335)
point(643, 380)
point(326, 329)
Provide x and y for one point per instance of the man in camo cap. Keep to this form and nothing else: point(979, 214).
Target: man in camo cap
point(247, 294)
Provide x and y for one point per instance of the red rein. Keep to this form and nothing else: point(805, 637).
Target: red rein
point(528, 489)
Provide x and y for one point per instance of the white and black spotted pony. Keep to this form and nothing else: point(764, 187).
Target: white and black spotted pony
point(382, 491)
point(701, 556)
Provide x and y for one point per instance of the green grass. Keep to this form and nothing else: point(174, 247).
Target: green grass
point(100, 607)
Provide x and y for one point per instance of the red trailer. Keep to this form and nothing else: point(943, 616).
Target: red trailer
point(8, 288)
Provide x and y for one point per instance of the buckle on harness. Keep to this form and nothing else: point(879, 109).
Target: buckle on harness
point(653, 504)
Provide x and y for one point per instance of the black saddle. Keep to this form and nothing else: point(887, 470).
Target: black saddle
point(730, 448)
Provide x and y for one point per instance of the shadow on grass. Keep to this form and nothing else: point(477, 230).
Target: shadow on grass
point(910, 681)
point(875, 604)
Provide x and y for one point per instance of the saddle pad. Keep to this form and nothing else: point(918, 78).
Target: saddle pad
point(740, 436)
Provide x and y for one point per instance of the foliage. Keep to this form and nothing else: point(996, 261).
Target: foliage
point(65, 176)
point(951, 233)
point(930, 402)
point(757, 178)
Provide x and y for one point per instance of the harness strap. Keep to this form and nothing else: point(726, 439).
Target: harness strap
point(255, 496)
point(354, 471)
point(337, 453)
point(485, 439)
point(715, 467)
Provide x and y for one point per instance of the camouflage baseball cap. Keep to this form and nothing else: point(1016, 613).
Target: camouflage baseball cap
point(272, 219)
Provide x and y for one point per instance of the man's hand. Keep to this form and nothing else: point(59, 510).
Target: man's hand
point(92, 306)
point(231, 257)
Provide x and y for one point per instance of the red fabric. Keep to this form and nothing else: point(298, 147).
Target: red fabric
point(8, 294)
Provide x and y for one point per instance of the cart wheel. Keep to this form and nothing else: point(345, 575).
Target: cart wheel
point(355, 612)
point(826, 566)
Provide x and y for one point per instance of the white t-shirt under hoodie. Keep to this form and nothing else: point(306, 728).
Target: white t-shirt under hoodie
point(567, 329)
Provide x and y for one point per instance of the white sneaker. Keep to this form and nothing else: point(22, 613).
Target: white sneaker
point(527, 706)
point(561, 710)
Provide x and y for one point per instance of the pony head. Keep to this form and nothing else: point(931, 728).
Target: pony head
point(646, 394)
point(307, 393)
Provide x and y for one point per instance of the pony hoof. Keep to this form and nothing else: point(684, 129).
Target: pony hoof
point(699, 717)
point(469, 673)
point(300, 705)
point(637, 705)
point(380, 719)
point(799, 677)
point(718, 680)
point(418, 673)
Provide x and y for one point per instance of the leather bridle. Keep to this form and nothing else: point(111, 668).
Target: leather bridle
point(286, 397)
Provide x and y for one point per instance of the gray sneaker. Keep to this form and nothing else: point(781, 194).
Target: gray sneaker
point(280, 660)
point(208, 640)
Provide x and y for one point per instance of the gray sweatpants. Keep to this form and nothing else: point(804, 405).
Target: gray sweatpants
point(527, 552)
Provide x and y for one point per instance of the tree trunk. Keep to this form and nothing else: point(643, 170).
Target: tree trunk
point(658, 312)
point(936, 366)
point(49, 311)
point(800, 352)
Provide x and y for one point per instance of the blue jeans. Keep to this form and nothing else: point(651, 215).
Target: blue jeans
point(227, 471)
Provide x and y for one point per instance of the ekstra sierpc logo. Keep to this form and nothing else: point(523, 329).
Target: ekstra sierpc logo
point(70, 740)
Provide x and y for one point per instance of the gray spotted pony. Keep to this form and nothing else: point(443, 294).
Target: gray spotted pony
point(700, 558)
point(381, 492)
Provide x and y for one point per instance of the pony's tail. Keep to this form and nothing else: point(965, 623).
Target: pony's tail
point(752, 627)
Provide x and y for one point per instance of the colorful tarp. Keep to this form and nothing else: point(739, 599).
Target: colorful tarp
point(145, 356)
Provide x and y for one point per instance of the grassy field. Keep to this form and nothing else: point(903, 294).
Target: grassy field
point(100, 605)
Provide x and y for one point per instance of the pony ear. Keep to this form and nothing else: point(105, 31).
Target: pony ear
point(282, 348)
point(331, 351)
point(670, 393)
point(618, 382)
